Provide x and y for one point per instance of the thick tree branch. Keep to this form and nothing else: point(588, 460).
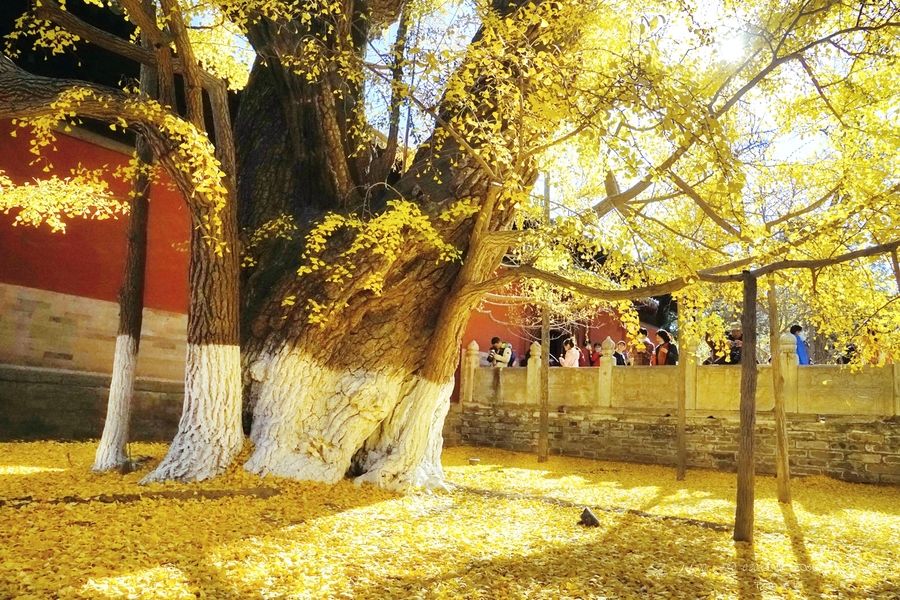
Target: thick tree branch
point(804, 264)
point(146, 22)
point(50, 10)
point(192, 72)
point(504, 239)
point(512, 274)
point(24, 96)
point(610, 203)
point(590, 291)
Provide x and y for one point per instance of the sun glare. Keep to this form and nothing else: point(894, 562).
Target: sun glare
point(24, 470)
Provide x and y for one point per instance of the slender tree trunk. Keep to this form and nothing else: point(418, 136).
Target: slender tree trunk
point(782, 464)
point(681, 421)
point(544, 427)
point(544, 431)
point(743, 520)
point(111, 453)
point(112, 450)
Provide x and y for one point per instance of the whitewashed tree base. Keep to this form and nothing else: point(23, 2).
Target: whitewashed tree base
point(309, 421)
point(209, 433)
point(112, 451)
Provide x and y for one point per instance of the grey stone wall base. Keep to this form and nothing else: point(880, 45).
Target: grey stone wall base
point(859, 449)
point(56, 404)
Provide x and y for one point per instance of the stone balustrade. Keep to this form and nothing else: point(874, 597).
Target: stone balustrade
point(841, 423)
point(708, 389)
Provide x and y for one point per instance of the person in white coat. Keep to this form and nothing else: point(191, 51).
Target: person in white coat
point(570, 355)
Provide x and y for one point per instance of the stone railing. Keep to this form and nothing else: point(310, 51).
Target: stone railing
point(840, 423)
point(814, 389)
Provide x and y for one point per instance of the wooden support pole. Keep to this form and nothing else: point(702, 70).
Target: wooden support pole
point(743, 519)
point(782, 465)
point(544, 429)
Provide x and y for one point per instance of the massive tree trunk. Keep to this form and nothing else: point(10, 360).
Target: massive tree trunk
point(365, 391)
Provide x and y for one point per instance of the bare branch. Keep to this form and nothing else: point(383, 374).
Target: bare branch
point(674, 231)
point(819, 89)
point(706, 208)
point(398, 56)
point(803, 211)
point(446, 126)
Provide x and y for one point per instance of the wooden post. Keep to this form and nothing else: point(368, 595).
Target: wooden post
point(687, 396)
point(467, 372)
point(743, 519)
point(533, 375)
point(544, 429)
point(604, 381)
point(782, 465)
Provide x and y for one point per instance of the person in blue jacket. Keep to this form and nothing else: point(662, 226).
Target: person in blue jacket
point(800, 336)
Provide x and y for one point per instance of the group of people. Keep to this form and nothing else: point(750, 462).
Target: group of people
point(735, 339)
point(644, 352)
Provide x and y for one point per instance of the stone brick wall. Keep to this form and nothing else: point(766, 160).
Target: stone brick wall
point(69, 405)
point(852, 448)
point(49, 330)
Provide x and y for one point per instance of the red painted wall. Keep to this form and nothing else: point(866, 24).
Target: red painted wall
point(89, 258)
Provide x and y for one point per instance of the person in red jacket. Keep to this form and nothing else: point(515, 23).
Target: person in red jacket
point(596, 354)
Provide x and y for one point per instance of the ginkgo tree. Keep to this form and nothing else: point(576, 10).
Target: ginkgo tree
point(365, 250)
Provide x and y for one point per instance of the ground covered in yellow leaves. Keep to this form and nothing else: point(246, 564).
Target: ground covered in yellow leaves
point(508, 530)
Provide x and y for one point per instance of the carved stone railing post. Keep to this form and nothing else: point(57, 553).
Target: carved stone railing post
point(688, 358)
point(896, 403)
point(533, 375)
point(467, 372)
point(604, 379)
point(789, 363)
point(687, 400)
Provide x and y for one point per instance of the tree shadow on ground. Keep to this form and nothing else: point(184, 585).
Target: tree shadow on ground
point(121, 543)
point(809, 577)
point(606, 564)
point(709, 484)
